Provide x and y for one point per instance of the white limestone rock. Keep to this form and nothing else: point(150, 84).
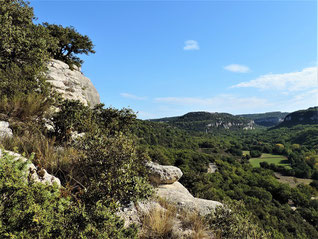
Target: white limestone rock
point(45, 177)
point(176, 193)
point(72, 84)
point(5, 131)
point(132, 214)
point(160, 174)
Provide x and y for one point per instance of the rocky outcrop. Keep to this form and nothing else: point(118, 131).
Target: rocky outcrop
point(178, 194)
point(5, 131)
point(72, 84)
point(169, 190)
point(36, 174)
point(159, 174)
point(212, 168)
point(166, 186)
point(166, 179)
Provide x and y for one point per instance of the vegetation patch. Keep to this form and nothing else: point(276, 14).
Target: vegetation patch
point(270, 158)
point(292, 181)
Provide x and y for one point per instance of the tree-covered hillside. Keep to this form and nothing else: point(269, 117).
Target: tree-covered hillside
point(301, 117)
point(208, 122)
point(268, 119)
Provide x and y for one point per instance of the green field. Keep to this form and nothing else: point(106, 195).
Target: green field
point(270, 158)
point(245, 152)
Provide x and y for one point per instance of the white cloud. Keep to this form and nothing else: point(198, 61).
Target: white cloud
point(290, 82)
point(302, 100)
point(131, 96)
point(220, 103)
point(191, 45)
point(237, 68)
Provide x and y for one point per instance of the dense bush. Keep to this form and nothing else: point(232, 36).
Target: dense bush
point(255, 153)
point(235, 221)
point(35, 210)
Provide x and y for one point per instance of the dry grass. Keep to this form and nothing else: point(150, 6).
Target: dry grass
point(157, 224)
point(23, 106)
point(61, 162)
point(196, 223)
point(162, 223)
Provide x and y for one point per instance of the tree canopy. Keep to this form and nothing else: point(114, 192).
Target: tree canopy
point(69, 43)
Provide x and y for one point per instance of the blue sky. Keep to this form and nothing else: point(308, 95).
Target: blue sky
point(167, 58)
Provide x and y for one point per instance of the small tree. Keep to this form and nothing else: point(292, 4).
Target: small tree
point(69, 43)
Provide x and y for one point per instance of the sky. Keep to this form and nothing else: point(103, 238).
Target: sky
point(168, 58)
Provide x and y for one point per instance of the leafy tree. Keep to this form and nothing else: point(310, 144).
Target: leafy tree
point(255, 153)
point(21, 41)
point(69, 44)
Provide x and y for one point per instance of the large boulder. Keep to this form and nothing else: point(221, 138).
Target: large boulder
point(38, 175)
point(159, 174)
point(165, 178)
point(72, 84)
point(176, 193)
point(5, 131)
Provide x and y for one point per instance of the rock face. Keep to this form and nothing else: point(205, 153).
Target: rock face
point(72, 83)
point(38, 175)
point(160, 174)
point(178, 194)
point(166, 178)
point(5, 131)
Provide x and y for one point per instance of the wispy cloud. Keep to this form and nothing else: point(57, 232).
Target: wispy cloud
point(131, 96)
point(237, 68)
point(301, 100)
point(290, 82)
point(223, 103)
point(191, 45)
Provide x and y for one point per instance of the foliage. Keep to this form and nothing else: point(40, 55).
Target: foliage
point(35, 210)
point(69, 44)
point(235, 221)
point(74, 116)
point(255, 154)
point(112, 169)
point(22, 107)
point(301, 117)
point(22, 43)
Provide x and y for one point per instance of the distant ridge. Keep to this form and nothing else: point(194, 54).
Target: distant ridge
point(303, 117)
point(268, 119)
point(206, 122)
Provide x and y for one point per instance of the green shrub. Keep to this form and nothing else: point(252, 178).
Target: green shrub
point(255, 154)
point(235, 221)
point(112, 169)
point(34, 210)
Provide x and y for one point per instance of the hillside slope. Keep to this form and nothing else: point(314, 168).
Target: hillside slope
point(208, 122)
point(268, 119)
point(303, 117)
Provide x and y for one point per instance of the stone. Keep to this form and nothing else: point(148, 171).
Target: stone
point(159, 174)
point(176, 193)
point(44, 176)
point(72, 84)
point(5, 131)
point(132, 213)
point(212, 168)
